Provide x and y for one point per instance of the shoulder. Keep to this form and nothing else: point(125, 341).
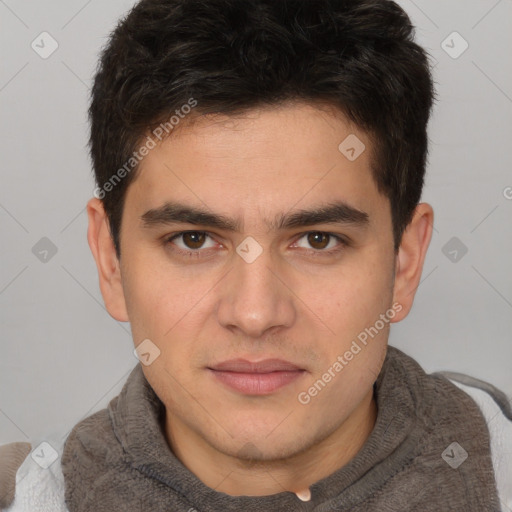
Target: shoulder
point(496, 408)
point(31, 478)
point(11, 458)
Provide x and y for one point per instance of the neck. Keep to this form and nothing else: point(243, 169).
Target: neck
point(236, 477)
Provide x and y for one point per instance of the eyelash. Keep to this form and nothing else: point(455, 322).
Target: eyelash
point(343, 243)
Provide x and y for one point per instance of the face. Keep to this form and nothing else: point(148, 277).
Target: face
point(271, 310)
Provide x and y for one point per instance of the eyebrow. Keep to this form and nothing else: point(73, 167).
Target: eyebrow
point(338, 212)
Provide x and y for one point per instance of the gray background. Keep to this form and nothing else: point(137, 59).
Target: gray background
point(61, 355)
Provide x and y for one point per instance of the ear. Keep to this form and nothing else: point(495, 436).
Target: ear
point(103, 250)
point(410, 258)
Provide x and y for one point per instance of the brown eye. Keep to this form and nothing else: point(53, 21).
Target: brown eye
point(190, 242)
point(194, 239)
point(318, 240)
point(322, 243)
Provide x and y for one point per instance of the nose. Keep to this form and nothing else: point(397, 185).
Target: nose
point(255, 297)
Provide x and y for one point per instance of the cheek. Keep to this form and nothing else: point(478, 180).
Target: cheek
point(169, 309)
point(353, 306)
point(158, 295)
point(354, 298)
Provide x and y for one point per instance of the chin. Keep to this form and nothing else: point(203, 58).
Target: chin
point(263, 445)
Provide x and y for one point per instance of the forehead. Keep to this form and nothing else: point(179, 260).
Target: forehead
point(261, 163)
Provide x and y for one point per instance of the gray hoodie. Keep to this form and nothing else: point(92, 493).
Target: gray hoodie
point(118, 459)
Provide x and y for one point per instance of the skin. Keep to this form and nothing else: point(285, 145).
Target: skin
point(293, 302)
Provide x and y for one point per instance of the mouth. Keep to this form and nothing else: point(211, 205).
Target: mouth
point(256, 378)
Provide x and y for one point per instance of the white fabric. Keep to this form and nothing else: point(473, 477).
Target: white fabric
point(500, 430)
point(42, 490)
point(38, 489)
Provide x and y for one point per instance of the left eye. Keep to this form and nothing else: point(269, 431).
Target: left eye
point(320, 241)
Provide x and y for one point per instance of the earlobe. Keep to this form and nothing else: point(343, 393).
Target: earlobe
point(410, 258)
point(107, 263)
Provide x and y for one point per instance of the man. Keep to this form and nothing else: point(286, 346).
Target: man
point(257, 220)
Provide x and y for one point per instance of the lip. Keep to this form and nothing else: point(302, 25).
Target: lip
point(264, 366)
point(256, 377)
